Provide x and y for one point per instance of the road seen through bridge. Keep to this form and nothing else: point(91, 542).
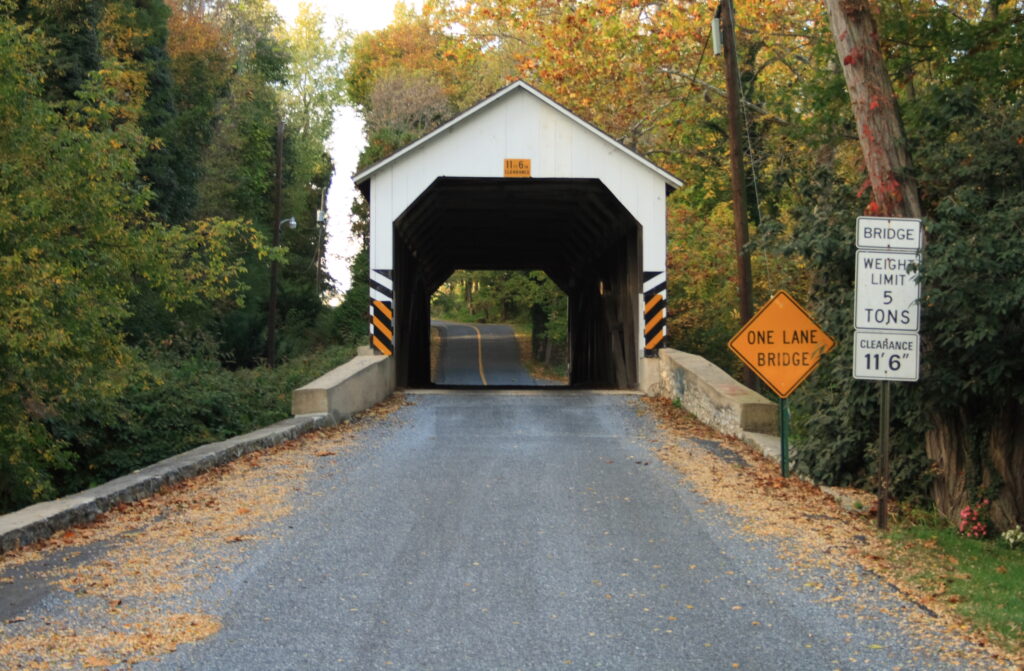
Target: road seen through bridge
point(511, 529)
point(479, 354)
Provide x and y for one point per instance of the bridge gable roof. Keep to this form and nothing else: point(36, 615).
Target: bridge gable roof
point(503, 97)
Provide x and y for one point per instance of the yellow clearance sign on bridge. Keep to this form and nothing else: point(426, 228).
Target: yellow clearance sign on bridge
point(517, 167)
point(782, 344)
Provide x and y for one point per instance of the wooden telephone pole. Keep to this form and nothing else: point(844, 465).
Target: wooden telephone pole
point(739, 192)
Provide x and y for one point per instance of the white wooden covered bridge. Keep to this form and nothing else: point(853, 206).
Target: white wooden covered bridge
point(519, 182)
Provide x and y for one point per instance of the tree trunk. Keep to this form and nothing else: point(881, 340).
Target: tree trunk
point(945, 445)
point(894, 191)
point(879, 127)
point(1006, 456)
point(997, 464)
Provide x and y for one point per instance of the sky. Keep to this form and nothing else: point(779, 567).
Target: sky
point(347, 141)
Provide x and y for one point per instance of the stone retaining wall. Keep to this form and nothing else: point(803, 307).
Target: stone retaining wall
point(715, 398)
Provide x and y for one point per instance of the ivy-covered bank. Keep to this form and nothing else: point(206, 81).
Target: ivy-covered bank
point(959, 432)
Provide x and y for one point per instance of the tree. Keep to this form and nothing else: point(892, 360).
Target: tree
point(201, 62)
point(410, 77)
point(313, 90)
point(968, 407)
point(879, 125)
point(76, 242)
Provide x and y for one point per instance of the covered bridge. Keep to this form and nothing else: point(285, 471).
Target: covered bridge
point(519, 182)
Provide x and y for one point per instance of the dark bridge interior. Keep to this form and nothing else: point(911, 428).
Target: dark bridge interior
point(573, 229)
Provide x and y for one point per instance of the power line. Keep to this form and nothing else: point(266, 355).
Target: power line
point(696, 73)
point(753, 176)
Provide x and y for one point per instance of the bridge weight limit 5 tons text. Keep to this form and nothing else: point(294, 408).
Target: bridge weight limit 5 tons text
point(887, 312)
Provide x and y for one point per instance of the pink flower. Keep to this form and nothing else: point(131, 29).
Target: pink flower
point(973, 522)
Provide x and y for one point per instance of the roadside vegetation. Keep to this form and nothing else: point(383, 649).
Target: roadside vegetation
point(137, 194)
point(982, 580)
point(180, 402)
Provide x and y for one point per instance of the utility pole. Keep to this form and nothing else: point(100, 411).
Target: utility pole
point(272, 306)
point(739, 194)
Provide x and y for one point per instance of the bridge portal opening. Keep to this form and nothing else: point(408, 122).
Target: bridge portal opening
point(574, 230)
point(504, 328)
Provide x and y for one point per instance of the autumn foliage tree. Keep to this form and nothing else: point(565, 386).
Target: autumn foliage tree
point(644, 73)
point(134, 201)
point(77, 242)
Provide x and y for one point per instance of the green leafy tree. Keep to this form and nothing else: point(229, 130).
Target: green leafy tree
point(312, 91)
point(958, 77)
point(75, 241)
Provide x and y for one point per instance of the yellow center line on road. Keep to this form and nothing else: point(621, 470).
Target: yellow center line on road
point(480, 353)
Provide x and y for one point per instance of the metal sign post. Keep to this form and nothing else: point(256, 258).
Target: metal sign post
point(784, 434)
point(782, 344)
point(887, 316)
point(885, 400)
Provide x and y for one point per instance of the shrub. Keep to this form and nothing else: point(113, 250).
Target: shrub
point(180, 400)
point(1014, 537)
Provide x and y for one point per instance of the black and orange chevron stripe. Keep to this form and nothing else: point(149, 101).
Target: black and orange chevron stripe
point(655, 312)
point(382, 312)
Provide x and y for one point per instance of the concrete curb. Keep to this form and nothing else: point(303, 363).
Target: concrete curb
point(42, 520)
point(356, 385)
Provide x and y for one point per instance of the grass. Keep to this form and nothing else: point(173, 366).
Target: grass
point(982, 580)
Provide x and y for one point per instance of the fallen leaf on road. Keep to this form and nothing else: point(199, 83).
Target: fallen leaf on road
point(813, 533)
point(157, 550)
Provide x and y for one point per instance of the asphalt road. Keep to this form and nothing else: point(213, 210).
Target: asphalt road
point(479, 355)
point(517, 530)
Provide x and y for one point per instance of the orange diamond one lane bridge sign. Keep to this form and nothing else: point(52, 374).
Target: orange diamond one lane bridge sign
point(782, 344)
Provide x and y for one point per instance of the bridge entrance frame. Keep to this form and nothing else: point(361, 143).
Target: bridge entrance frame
point(587, 210)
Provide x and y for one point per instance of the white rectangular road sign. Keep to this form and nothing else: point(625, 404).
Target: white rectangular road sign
point(886, 233)
point(884, 355)
point(887, 292)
